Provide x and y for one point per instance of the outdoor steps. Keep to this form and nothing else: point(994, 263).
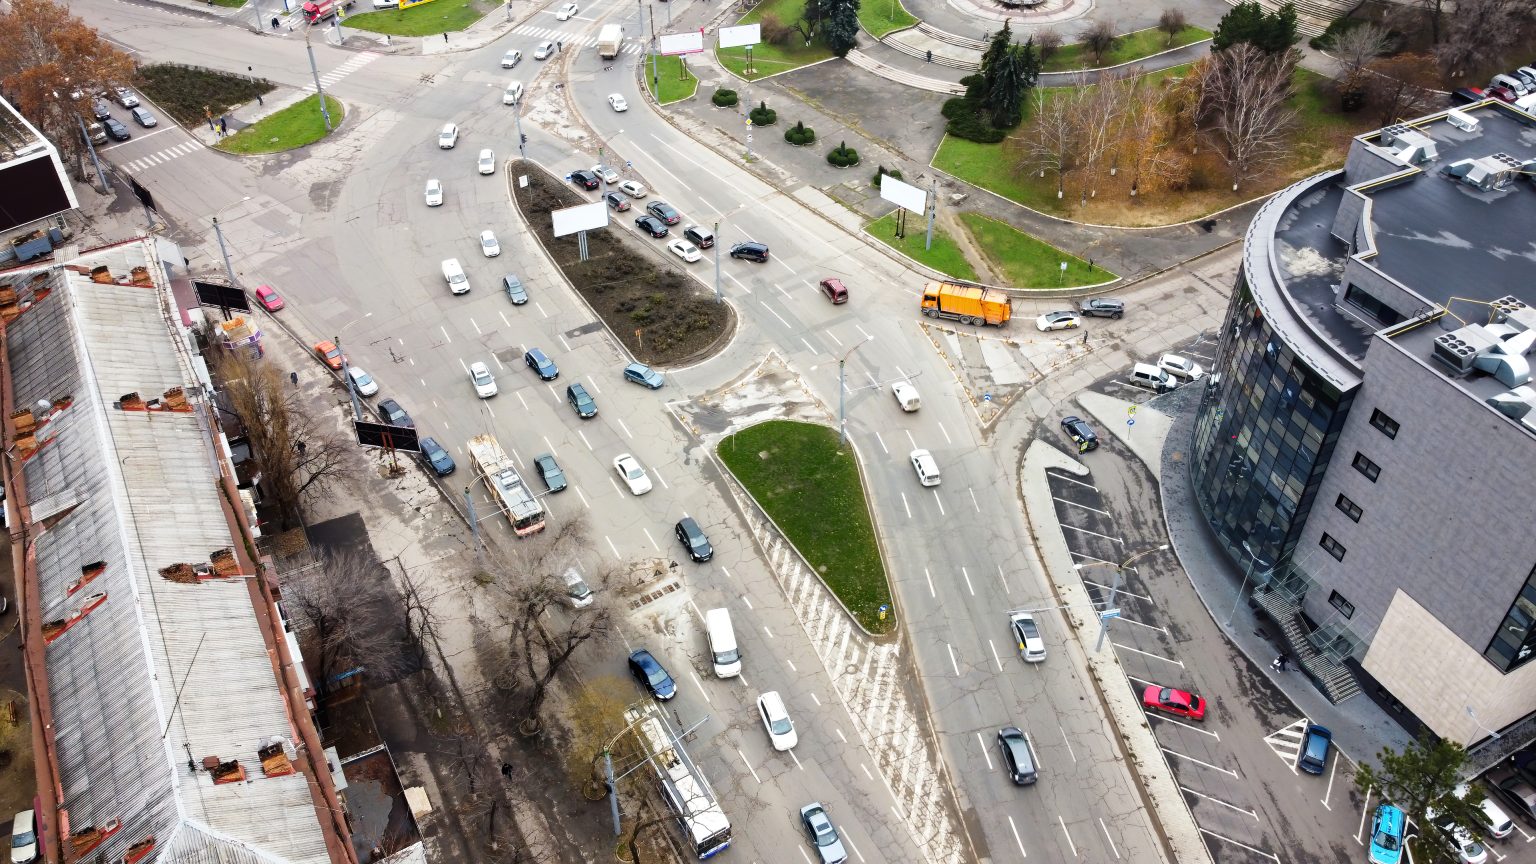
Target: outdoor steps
point(1312, 16)
point(891, 73)
point(1335, 679)
point(944, 36)
point(922, 54)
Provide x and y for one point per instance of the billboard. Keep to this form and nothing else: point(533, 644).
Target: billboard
point(682, 43)
point(903, 195)
point(736, 37)
point(582, 217)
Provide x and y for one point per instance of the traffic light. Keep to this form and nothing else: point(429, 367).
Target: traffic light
point(524, 137)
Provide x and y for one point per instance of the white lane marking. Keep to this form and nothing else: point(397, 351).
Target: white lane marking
point(1054, 476)
point(611, 546)
point(929, 577)
point(1112, 847)
point(1075, 504)
point(592, 382)
point(1142, 624)
point(882, 444)
point(778, 316)
point(996, 659)
point(974, 502)
point(1015, 829)
point(797, 760)
point(564, 343)
point(939, 501)
point(952, 661)
point(1178, 663)
point(748, 764)
point(985, 751)
point(650, 538)
point(627, 433)
point(1068, 833)
point(504, 320)
point(658, 477)
point(1067, 741)
point(905, 505)
point(1253, 813)
point(446, 337)
point(584, 502)
point(968, 586)
point(1189, 758)
point(700, 685)
point(522, 400)
point(807, 345)
point(1002, 578)
point(946, 434)
point(476, 325)
point(1094, 533)
point(862, 330)
point(584, 440)
point(463, 366)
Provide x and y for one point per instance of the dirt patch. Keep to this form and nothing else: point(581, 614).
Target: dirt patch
point(190, 94)
point(663, 317)
point(17, 781)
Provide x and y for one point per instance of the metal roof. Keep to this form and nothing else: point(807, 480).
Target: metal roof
point(162, 674)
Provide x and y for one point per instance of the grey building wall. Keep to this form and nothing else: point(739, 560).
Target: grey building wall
point(1447, 521)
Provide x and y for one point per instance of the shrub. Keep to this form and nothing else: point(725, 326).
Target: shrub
point(968, 121)
point(1337, 27)
point(725, 98)
point(843, 156)
point(881, 169)
point(800, 134)
point(773, 29)
point(762, 115)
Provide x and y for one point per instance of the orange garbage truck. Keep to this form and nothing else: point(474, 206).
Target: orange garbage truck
point(968, 304)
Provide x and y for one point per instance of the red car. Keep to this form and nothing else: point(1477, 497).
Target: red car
point(330, 354)
point(1175, 702)
point(835, 291)
point(269, 299)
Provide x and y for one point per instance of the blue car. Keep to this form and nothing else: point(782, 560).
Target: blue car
point(644, 375)
point(540, 363)
point(1387, 835)
point(649, 672)
point(1313, 757)
point(515, 290)
point(433, 454)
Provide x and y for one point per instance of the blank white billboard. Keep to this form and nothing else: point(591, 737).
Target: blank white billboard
point(736, 37)
point(682, 43)
point(582, 217)
point(903, 195)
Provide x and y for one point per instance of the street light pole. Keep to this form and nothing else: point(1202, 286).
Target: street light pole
point(1109, 605)
point(315, 72)
point(717, 263)
point(1247, 574)
point(517, 116)
point(842, 389)
point(224, 250)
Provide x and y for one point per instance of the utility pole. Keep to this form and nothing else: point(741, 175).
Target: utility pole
point(1110, 610)
point(655, 76)
point(315, 71)
point(224, 250)
point(842, 394)
point(933, 211)
point(718, 297)
point(91, 148)
point(346, 374)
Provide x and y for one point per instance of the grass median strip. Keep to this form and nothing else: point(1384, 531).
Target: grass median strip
point(768, 58)
point(945, 256)
point(880, 17)
point(673, 80)
point(1129, 48)
point(295, 126)
point(422, 19)
point(1026, 261)
point(812, 490)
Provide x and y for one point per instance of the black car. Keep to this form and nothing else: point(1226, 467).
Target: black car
point(752, 251)
point(100, 108)
point(1081, 433)
point(700, 237)
point(651, 675)
point(393, 414)
point(664, 211)
point(436, 458)
point(651, 225)
point(1102, 307)
point(116, 130)
point(540, 363)
point(585, 179)
point(581, 400)
point(617, 201)
point(1018, 756)
point(549, 472)
point(692, 537)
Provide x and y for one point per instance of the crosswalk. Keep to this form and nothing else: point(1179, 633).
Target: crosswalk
point(357, 62)
point(569, 41)
point(144, 163)
point(1286, 742)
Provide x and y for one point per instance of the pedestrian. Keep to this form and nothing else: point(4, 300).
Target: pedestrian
point(930, 56)
point(559, 47)
point(445, 38)
point(1284, 661)
point(259, 100)
point(294, 377)
point(210, 124)
point(386, 40)
point(224, 125)
point(506, 769)
point(274, 22)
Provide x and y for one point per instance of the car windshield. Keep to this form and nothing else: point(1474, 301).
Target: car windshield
point(655, 674)
point(362, 379)
point(1385, 840)
point(633, 471)
point(26, 838)
point(780, 725)
point(482, 376)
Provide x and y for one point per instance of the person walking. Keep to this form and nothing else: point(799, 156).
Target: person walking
point(274, 22)
point(445, 38)
point(294, 377)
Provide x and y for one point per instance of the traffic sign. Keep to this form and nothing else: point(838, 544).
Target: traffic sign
point(629, 163)
point(1131, 410)
point(986, 397)
point(1108, 614)
point(1131, 422)
point(749, 137)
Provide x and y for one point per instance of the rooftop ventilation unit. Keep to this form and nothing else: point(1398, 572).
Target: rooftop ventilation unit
point(1463, 121)
point(1517, 404)
point(1459, 348)
point(1486, 173)
point(1409, 145)
point(1507, 304)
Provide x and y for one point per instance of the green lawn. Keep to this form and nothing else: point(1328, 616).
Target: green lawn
point(880, 17)
point(1027, 262)
point(675, 80)
point(424, 19)
point(229, 4)
point(797, 474)
point(945, 256)
point(1132, 46)
point(773, 59)
point(294, 126)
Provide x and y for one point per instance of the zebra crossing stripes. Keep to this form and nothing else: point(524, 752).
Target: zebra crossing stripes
point(161, 157)
point(569, 41)
point(347, 68)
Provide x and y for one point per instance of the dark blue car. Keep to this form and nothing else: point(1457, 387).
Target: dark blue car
point(1313, 758)
point(649, 672)
point(433, 454)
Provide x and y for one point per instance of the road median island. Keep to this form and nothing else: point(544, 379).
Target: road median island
point(296, 126)
point(663, 317)
point(814, 492)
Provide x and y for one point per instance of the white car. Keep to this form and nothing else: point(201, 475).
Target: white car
point(606, 174)
point(513, 94)
point(544, 50)
point(449, 136)
point(434, 192)
point(1057, 321)
point(485, 383)
point(386, 4)
point(1026, 635)
point(781, 730)
point(1499, 824)
point(927, 469)
point(511, 58)
point(634, 476)
point(487, 162)
point(24, 838)
point(125, 97)
point(566, 12)
point(617, 103)
point(632, 189)
point(488, 243)
point(362, 382)
point(1180, 367)
point(685, 250)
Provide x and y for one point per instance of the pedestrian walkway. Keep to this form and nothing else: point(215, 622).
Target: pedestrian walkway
point(357, 62)
point(900, 76)
point(631, 46)
point(144, 163)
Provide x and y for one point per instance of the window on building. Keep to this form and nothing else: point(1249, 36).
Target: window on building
point(1386, 424)
point(1337, 601)
point(1514, 643)
point(1368, 304)
point(1365, 466)
point(1334, 547)
point(1350, 508)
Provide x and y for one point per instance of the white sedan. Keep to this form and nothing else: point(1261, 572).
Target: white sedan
point(566, 12)
point(634, 476)
point(485, 383)
point(1057, 321)
point(434, 192)
point(489, 244)
point(487, 162)
point(544, 50)
point(632, 189)
point(685, 250)
point(606, 174)
point(617, 103)
point(781, 730)
point(1180, 367)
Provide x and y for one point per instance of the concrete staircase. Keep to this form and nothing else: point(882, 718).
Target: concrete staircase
point(1333, 678)
point(901, 76)
point(944, 36)
point(1312, 16)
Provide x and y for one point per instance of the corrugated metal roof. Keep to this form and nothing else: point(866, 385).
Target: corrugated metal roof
point(161, 673)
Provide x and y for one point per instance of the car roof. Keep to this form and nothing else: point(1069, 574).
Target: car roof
point(773, 702)
point(1390, 818)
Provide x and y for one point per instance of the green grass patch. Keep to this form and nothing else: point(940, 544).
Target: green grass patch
point(945, 256)
point(673, 79)
point(811, 489)
point(184, 92)
point(880, 17)
point(425, 19)
point(229, 4)
point(1132, 47)
point(1028, 262)
point(773, 59)
point(294, 126)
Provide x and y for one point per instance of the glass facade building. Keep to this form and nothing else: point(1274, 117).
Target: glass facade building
point(1264, 434)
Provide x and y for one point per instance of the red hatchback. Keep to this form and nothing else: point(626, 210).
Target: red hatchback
point(1171, 701)
point(835, 291)
point(269, 299)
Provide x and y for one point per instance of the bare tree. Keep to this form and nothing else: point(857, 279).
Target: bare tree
point(1479, 30)
point(348, 614)
point(1244, 108)
point(1172, 22)
point(1099, 39)
point(1047, 42)
point(1401, 87)
point(1355, 48)
point(1051, 144)
point(1148, 145)
point(1097, 116)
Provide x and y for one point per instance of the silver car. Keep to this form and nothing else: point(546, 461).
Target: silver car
point(824, 839)
point(1026, 635)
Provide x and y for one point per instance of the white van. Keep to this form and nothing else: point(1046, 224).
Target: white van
point(458, 283)
point(1151, 377)
point(722, 643)
point(906, 396)
point(513, 94)
point(927, 469)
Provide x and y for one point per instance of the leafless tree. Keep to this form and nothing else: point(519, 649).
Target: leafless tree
point(1401, 87)
point(773, 29)
point(1099, 39)
point(1047, 42)
point(1097, 116)
point(1244, 108)
point(348, 614)
point(1172, 22)
point(1148, 144)
point(1479, 30)
point(1051, 144)
point(1355, 48)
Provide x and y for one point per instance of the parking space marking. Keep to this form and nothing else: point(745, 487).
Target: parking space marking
point(1075, 504)
point(1253, 813)
point(1094, 533)
point(1142, 624)
point(1054, 476)
point(1166, 719)
point(1274, 858)
point(1122, 591)
point(1364, 809)
point(1186, 757)
point(1178, 663)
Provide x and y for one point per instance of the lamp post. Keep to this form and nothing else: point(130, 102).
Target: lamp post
point(219, 233)
point(1473, 715)
point(842, 392)
point(1247, 574)
point(1109, 605)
